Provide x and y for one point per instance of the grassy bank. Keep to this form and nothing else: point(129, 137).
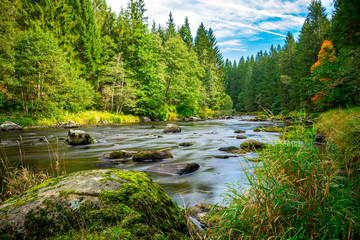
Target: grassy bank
point(298, 190)
point(88, 117)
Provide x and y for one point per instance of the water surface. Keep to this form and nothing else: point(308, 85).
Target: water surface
point(205, 185)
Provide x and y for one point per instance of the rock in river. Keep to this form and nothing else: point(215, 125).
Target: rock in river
point(146, 156)
point(113, 199)
point(173, 168)
point(240, 137)
point(252, 145)
point(172, 128)
point(239, 131)
point(10, 126)
point(228, 149)
point(186, 144)
point(78, 137)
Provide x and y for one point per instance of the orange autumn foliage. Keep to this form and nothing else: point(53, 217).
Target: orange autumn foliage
point(326, 55)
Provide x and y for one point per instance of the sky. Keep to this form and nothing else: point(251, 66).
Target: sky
point(241, 27)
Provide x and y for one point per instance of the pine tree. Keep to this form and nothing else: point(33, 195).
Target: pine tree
point(170, 27)
point(185, 33)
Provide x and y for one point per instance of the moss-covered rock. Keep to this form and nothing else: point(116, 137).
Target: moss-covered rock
point(272, 129)
point(240, 137)
point(101, 200)
point(257, 129)
point(144, 156)
point(118, 155)
point(251, 145)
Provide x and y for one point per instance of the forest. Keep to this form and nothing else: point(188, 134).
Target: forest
point(72, 56)
point(318, 71)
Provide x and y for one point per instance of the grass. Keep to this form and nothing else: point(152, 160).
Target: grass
point(17, 178)
point(299, 191)
point(88, 117)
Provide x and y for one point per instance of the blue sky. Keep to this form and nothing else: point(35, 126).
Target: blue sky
point(241, 27)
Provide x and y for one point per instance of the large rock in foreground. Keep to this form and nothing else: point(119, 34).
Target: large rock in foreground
point(126, 202)
point(173, 168)
point(251, 145)
point(10, 126)
point(172, 128)
point(78, 137)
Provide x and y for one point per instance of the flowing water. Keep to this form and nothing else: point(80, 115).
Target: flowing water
point(205, 185)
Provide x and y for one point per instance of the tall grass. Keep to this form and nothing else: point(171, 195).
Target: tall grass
point(17, 177)
point(296, 192)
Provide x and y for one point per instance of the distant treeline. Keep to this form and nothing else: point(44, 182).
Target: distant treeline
point(320, 70)
point(72, 55)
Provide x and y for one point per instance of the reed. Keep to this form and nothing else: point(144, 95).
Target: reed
point(17, 177)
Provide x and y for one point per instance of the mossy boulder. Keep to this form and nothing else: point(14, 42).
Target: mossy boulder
point(272, 129)
point(257, 129)
point(106, 201)
point(228, 149)
point(118, 155)
point(145, 156)
point(78, 137)
point(172, 128)
point(250, 145)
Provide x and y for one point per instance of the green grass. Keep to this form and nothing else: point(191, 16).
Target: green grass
point(297, 191)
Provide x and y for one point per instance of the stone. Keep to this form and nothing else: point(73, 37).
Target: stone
point(146, 156)
point(172, 128)
point(186, 144)
point(227, 149)
point(240, 137)
point(146, 119)
point(252, 145)
point(226, 156)
point(204, 213)
point(78, 137)
point(239, 131)
point(118, 199)
point(257, 129)
point(173, 168)
point(10, 126)
point(195, 119)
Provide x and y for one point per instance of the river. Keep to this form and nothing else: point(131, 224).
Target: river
point(205, 185)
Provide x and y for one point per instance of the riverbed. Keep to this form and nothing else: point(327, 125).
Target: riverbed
point(207, 184)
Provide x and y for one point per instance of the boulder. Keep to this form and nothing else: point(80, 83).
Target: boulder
point(111, 200)
point(78, 137)
point(239, 131)
point(146, 156)
point(146, 119)
point(228, 149)
point(195, 119)
point(272, 129)
point(257, 129)
point(172, 128)
point(186, 144)
point(173, 168)
point(252, 145)
point(10, 126)
point(240, 137)
point(226, 156)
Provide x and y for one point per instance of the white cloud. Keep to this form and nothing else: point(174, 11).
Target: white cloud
point(230, 19)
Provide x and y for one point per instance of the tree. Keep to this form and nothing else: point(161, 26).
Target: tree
point(170, 27)
point(311, 37)
point(45, 82)
point(185, 33)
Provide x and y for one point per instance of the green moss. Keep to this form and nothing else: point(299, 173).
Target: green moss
point(65, 193)
point(272, 129)
point(145, 155)
point(257, 130)
point(118, 155)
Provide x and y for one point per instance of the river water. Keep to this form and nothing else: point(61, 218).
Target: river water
point(205, 185)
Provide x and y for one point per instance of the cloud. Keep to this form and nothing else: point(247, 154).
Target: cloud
point(231, 19)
